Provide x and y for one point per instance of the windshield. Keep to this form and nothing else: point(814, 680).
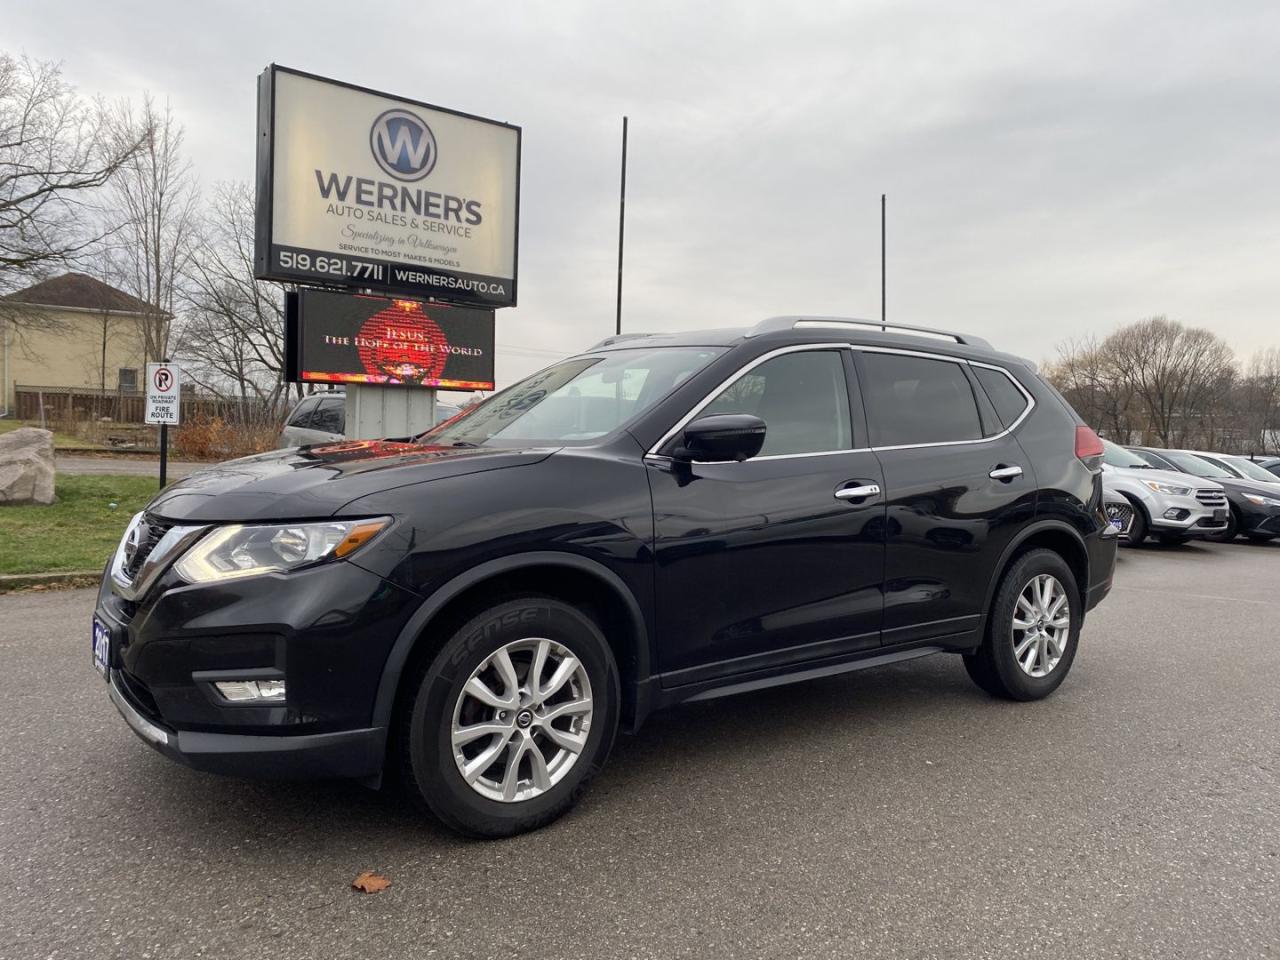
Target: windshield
point(575, 401)
point(1115, 455)
point(1250, 469)
point(1190, 463)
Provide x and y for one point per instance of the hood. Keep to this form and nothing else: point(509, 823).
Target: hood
point(316, 481)
point(1114, 476)
point(1255, 487)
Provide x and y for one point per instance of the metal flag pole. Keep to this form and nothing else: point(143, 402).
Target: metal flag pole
point(622, 217)
point(882, 322)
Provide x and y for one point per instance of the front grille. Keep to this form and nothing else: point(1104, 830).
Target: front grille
point(1212, 498)
point(1122, 512)
point(149, 533)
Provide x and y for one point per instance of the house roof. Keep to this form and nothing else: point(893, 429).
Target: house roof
point(78, 291)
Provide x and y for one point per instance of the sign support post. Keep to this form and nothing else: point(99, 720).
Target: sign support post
point(164, 455)
point(164, 406)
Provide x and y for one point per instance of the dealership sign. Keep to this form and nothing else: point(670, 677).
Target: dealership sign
point(339, 338)
point(368, 191)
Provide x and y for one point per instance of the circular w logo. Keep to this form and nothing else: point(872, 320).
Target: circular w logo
point(403, 145)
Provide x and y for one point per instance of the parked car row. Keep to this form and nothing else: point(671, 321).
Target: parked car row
point(1177, 495)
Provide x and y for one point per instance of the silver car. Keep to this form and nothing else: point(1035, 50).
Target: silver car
point(322, 418)
point(1174, 507)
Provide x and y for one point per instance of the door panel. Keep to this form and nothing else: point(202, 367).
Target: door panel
point(947, 518)
point(947, 524)
point(758, 563)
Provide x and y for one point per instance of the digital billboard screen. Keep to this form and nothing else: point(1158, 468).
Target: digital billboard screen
point(348, 338)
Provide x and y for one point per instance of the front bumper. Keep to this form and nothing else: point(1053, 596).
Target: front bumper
point(1259, 521)
point(326, 631)
point(1185, 515)
point(345, 753)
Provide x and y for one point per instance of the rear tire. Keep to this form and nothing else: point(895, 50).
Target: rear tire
point(1028, 648)
point(540, 678)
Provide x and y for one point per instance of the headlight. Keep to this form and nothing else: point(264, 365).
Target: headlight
point(238, 550)
point(1262, 501)
point(1172, 489)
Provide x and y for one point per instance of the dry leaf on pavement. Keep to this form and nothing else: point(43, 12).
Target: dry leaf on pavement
point(370, 882)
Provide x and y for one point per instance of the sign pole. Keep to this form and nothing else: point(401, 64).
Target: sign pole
point(164, 446)
point(622, 219)
point(882, 323)
point(164, 454)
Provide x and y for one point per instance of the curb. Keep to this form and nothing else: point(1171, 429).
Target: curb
point(11, 583)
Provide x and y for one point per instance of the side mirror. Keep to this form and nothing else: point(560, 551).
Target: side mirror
point(721, 437)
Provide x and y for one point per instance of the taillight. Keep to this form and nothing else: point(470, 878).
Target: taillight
point(1088, 447)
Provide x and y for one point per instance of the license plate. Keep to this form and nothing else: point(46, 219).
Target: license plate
point(1220, 514)
point(1117, 523)
point(101, 647)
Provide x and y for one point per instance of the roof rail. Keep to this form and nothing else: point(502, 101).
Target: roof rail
point(617, 338)
point(774, 324)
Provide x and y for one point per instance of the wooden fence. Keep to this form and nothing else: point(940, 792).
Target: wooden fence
point(62, 404)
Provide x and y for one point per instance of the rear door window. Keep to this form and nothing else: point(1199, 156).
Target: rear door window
point(915, 400)
point(330, 415)
point(302, 413)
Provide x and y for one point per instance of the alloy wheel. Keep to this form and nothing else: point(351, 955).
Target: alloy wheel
point(1041, 625)
point(521, 720)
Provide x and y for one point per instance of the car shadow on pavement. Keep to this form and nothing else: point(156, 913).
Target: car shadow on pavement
point(745, 737)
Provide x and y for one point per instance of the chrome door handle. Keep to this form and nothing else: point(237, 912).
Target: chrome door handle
point(1005, 473)
point(858, 493)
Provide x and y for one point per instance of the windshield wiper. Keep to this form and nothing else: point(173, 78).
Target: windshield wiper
point(463, 443)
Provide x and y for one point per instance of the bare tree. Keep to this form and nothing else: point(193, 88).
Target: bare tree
point(234, 330)
point(1258, 401)
point(1087, 375)
point(1177, 374)
point(155, 202)
point(56, 150)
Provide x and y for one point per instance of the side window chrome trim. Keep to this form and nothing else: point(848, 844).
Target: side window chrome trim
point(1031, 401)
point(653, 455)
point(729, 381)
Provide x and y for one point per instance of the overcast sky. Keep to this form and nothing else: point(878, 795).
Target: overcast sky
point(1052, 169)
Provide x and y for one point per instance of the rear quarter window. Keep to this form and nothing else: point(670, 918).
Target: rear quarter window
point(1009, 401)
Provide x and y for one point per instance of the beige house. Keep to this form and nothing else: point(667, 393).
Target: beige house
point(70, 331)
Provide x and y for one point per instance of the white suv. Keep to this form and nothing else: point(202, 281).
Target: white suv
point(1173, 506)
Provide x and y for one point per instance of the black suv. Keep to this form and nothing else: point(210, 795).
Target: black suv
point(663, 518)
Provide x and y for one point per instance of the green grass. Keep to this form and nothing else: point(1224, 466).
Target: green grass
point(79, 532)
point(60, 440)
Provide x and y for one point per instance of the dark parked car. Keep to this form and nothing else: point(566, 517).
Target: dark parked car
point(1269, 463)
point(664, 518)
point(1255, 505)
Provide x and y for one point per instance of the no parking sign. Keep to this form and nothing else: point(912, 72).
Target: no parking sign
point(163, 390)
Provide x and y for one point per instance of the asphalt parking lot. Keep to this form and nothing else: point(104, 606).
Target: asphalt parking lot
point(891, 813)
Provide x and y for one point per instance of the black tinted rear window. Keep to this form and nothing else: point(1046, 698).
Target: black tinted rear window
point(914, 400)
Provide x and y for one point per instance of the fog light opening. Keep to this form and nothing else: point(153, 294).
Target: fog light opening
point(251, 691)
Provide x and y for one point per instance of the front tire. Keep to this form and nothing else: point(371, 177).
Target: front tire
point(511, 720)
point(1033, 630)
point(1138, 529)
